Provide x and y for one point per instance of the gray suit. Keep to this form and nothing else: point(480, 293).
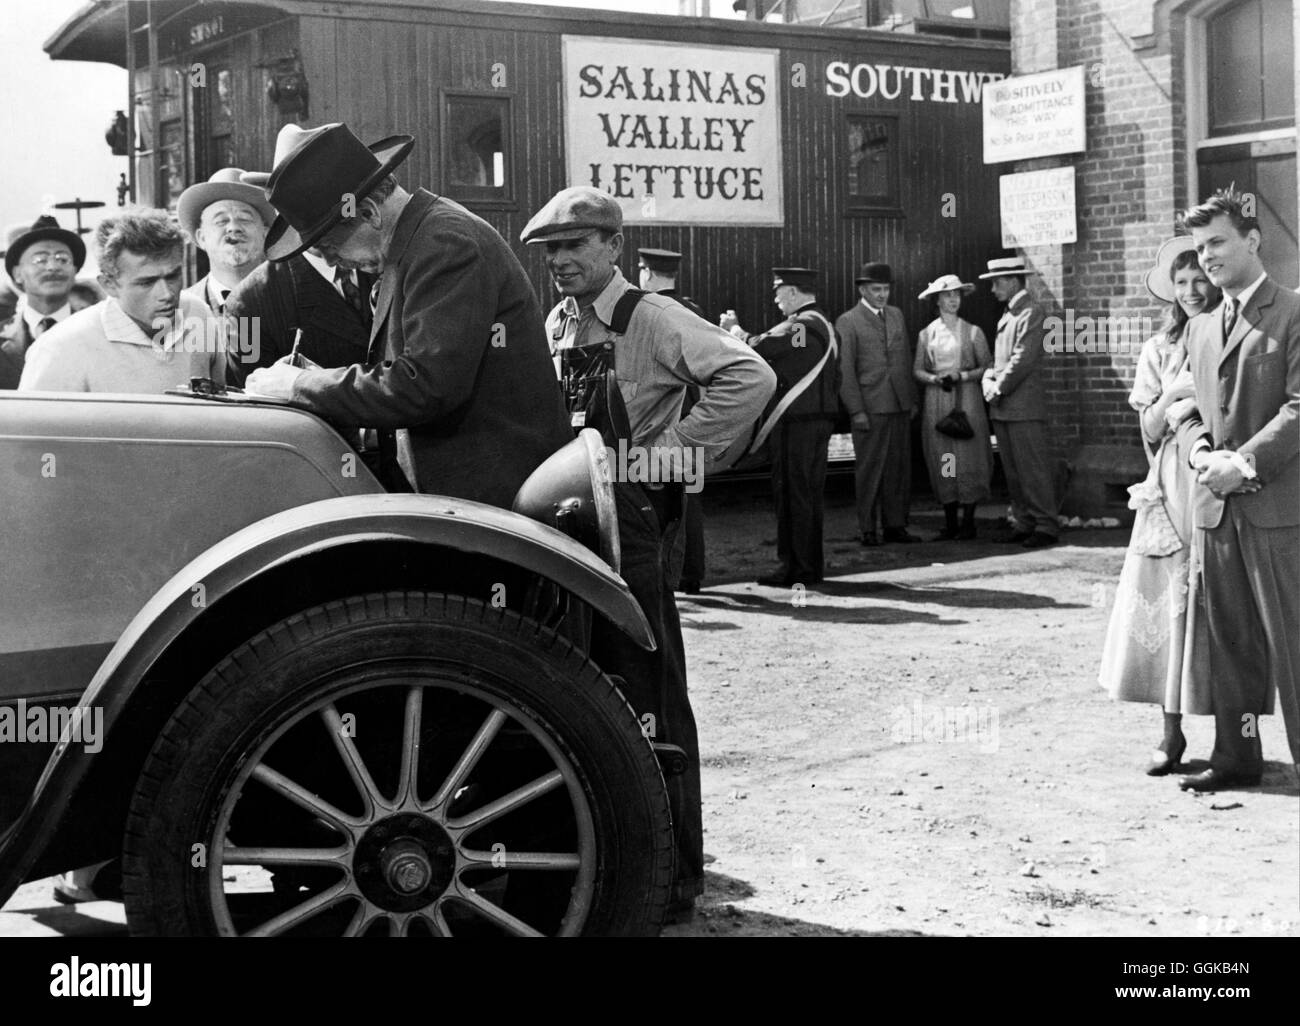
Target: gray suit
point(876, 360)
point(1248, 395)
point(1019, 415)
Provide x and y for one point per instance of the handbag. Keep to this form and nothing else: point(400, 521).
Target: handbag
point(955, 423)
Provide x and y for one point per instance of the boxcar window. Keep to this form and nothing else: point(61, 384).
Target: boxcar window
point(873, 163)
point(475, 147)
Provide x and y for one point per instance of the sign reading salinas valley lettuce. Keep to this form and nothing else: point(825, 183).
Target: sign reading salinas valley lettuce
point(677, 134)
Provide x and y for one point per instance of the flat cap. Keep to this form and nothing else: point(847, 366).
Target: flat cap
point(875, 273)
point(804, 278)
point(571, 214)
point(664, 261)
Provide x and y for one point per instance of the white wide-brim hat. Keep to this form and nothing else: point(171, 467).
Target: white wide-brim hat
point(1007, 267)
point(1160, 279)
point(946, 283)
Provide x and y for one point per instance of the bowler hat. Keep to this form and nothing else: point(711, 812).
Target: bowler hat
point(946, 283)
point(874, 273)
point(312, 186)
point(224, 185)
point(45, 229)
point(1007, 267)
point(571, 214)
point(662, 261)
point(1160, 279)
point(802, 278)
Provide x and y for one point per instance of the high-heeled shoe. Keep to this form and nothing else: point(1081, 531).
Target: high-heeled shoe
point(1164, 763)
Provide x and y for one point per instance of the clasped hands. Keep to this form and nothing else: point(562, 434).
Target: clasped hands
point(1225, 472)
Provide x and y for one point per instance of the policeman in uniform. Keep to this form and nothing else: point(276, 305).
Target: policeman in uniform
point(658, 271)
point(802, 349)
point(625, 360)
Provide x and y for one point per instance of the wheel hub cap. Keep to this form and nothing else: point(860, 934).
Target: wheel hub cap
point(404, 862)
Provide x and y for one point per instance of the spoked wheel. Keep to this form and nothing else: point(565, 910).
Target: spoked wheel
point(406, 765)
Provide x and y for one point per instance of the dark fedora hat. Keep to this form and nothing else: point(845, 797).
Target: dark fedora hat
point(875, 273)
point(45, 229)
point(312, 185)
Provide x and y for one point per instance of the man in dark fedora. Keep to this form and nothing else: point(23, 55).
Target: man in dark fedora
point(328, 304)
point(802, 350)
point(228, 220)
point(1013, 388)
point(879, 392)
point(458, 361)
point(42, 262)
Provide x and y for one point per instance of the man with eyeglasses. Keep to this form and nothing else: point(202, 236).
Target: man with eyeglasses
point(43, 263)
point(227, 219)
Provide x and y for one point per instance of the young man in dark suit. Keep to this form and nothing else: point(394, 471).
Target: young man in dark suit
point(1244, 440)
point(879, 391)
point(458, 356)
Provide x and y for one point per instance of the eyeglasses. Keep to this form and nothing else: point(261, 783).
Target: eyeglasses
point(58, 259)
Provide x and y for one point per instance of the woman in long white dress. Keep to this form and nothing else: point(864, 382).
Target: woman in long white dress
point(1155, 643)
point(951, 357)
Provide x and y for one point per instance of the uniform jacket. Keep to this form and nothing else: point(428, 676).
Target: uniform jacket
point(15, 339)
point(665, 350)
point(781, 348)
point(285, 296)
point(1017, 362)
point(876, 361)
point(458, 355)
point(1248, 399)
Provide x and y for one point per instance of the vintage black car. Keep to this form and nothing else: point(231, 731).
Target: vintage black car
point(295, 704)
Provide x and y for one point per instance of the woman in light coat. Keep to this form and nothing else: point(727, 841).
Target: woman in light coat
point(951, 357)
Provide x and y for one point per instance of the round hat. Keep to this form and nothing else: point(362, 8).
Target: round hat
point(1007, 267)
point(45, 229)
point(875, 273)
point(946, 283)
point(1160, 279)
point(226, 184)
point(803, 278)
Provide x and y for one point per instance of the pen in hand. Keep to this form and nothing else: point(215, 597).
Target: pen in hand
point(294, 359)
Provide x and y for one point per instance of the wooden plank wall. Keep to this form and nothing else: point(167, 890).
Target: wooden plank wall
point(385, 76)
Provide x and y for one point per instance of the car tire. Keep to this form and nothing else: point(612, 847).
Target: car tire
point(404, 764)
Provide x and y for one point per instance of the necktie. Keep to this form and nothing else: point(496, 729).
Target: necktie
point(350, 291)
point(1229, 318)
point(46, 324)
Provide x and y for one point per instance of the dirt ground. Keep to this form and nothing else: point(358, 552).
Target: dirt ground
point(919, 746)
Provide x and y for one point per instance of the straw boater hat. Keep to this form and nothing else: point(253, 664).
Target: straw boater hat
point(946, 283)
point(226, 184)
point(316, 170)
point(1007, 267)
point(1160, 279)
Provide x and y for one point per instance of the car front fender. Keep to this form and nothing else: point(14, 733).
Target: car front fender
point(468, 527)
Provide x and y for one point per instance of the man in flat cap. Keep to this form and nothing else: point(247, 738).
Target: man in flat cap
point(654, 348)
point(42, 261)
point(879, 392)
point(457, 379)
point(227, 219)
point(802, 350)
point(658, 271)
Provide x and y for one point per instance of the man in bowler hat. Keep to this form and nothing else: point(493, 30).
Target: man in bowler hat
point(458, 378)
point(802, 352)
point(42, 262)
point(879, 392)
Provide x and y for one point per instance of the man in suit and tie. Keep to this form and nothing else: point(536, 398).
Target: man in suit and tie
point(1244, 440)
point(879, 391)
point(1013, 388)
point(227, 219)
point(42, 262)
point(458, 353)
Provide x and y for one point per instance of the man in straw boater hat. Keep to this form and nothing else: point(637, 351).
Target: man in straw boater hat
point(228, 220)
point(1013, 388)
point(328, 304)
point(458, 357)
point(42, 261)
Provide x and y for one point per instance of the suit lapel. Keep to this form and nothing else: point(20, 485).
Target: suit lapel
point(1247, 317)
point(406, 224)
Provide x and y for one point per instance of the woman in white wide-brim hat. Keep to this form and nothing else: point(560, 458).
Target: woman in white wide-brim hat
point(951, 357)
point(1156, 647)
